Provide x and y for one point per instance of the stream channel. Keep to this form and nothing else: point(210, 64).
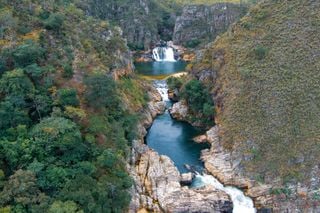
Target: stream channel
point(175, 139)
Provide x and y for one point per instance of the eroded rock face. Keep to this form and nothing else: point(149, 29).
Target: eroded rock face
point(220, 163)
point(140, 20)
point(199, 22)
point(161, 183)
point(157, 182)
point(179, 111)
point(226, 166)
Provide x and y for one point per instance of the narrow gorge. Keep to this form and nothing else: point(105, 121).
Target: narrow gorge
point(170, 169)
point(114, 106)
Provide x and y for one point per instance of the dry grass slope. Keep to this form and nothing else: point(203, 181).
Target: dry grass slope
point(268, 87)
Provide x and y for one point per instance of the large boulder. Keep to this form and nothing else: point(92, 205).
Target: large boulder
point(179, 111)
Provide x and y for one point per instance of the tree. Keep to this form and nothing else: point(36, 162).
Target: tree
point(12, 115)
point(53, 178)
point(199, 100)
point(54, 22)
point(101, 92)
point(22, 189)
point(41, 106)
point(35, 72)
point(68, 97)
point(59, 138)
point(7, 21)
point(16, 83)
point(64, 207)
point(195, 95)
point(27, 54)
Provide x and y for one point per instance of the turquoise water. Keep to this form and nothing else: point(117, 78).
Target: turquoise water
point(174, 139)
point(160, 68)
point(166, 135)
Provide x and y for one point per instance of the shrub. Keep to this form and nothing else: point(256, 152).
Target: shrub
point(54, 22)
point(174, 83)
point(67, 71)
point(199, 100)
point(260, 52)
point(193, 43)
point(68, 97)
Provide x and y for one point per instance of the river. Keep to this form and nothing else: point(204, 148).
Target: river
point(174, 139)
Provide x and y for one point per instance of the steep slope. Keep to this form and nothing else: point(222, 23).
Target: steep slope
point(264, 76)
point(201, 23)
point(65, 123)
point(144, 22)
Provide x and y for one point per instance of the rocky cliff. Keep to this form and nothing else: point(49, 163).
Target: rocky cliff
point(263, 74)
point(143, 22)
point(202, 23)
point(157, 182)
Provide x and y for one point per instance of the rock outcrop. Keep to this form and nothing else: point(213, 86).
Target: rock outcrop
point(161, 190)
point(273, 197)
point(203, 23)
point(221, 164)
point(143, 22)
point(157, 182)
point(179, 111)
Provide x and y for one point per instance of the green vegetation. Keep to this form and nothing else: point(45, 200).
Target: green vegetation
point(174, 83)
point(267, 88)
point(65, 129)
point(197, 96)
point(193, 43)
point(209, 2)
point(54, 21)
point(260, 52)
point(68, 97)
point(199, 101)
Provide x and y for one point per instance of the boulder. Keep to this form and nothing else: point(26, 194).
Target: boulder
point(200, 139)
point(179, 110)
point(187, 178)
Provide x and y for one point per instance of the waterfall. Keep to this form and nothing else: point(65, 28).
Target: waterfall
point(163, 54)
point(241, 203)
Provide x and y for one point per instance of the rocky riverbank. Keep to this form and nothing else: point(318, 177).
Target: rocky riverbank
point(272, 197)
point(157, 182)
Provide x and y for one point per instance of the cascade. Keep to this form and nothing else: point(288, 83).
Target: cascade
point(241, 203)
point(163, 54)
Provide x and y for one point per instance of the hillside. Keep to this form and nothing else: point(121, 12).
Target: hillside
point(154, 20)
point(68, 110)
point(264, 76)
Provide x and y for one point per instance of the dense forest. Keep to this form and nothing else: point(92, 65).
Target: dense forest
point(64, 129)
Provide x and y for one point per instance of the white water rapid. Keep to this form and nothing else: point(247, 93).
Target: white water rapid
point(162, 87)
point(241, 203)
point(163, 54)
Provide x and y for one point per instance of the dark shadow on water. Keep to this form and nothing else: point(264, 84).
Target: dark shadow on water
point(174, 139)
